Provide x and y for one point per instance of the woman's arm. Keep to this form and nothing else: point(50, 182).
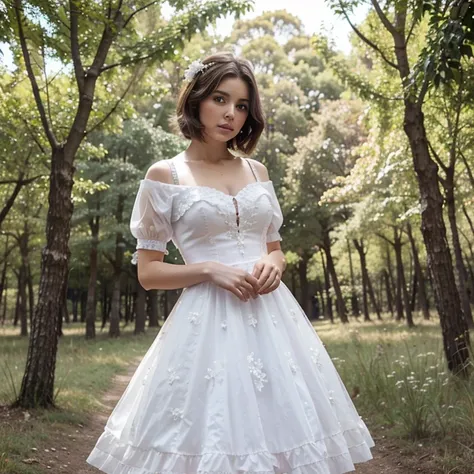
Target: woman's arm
point(153, 273)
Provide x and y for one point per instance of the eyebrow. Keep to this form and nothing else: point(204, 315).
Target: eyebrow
point(228, 95)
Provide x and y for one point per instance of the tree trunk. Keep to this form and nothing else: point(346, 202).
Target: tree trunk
point(140, 310)
point(365, 301)
point(354, 299)
point(37, 388)
point(94, 225)
point(5, 302)
point(293, 280)
point(17, 314)
point(320, 290)
point(22, 303)
point(327, 284)
point(114, 328)
point(154, 311)
point(468, 218)
point(304, 285)
point(414, 289)
point(372, 295)
point(471, 276)
point(340, 304)
point(3, 279)
point(105, 305)
point(366, 282)
point(390, 271)
point(3, 291)
point(422, 298)
point(402, 285)
point(454, 327)
point(388, 291)
point(461, 269)
point(75, 305)
point(31, 293)
point(128, 305)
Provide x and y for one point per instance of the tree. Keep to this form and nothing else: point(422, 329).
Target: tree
point(398, 20)
point(321, 157)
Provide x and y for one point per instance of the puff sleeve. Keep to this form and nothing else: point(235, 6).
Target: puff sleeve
point(150, 221)
point(277, 216)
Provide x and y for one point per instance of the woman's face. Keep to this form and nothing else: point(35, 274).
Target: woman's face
point(225, 111)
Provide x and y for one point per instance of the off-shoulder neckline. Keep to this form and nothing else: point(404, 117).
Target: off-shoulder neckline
point(200, 186)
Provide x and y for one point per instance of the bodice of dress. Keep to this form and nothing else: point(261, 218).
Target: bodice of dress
point(205, 223)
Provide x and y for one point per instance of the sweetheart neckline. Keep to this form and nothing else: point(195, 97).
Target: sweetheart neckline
point(201, 186)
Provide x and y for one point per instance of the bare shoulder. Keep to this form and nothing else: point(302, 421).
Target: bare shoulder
point(261, 169)
point(160, 171)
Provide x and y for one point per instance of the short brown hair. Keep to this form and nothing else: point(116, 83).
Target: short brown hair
point(204, 83)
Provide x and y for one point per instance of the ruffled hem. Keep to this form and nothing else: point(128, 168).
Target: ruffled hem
point(335, 454)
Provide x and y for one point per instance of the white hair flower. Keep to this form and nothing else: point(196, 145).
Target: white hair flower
point(194, 68)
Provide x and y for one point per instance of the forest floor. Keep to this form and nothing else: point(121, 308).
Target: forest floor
point(70, 445)
point(92, 375)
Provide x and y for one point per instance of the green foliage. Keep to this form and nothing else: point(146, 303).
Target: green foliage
point(322, 155)
point(450, 39)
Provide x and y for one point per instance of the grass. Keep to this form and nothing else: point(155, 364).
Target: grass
point(84, 370)
point(404, 389)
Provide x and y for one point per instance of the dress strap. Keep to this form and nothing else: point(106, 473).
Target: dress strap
point(174, 173)
point(252, 167)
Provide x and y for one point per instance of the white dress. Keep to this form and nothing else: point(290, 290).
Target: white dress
point(228, 386)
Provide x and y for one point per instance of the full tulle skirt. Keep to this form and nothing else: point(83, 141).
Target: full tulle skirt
point(234, 387)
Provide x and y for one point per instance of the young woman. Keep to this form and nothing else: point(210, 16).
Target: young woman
point(237, 380)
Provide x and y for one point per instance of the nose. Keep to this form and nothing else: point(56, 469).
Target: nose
point(230, 112)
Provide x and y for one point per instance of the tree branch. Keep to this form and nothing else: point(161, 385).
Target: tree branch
point(19, 183)
point(33, 136)
point(383, 18)
point(468, 168)
point(412, 27)
point(455, 134)
point(31, 75)
point(468, 217)
point(127, 62)
point(137, 11)
point(112, 110)
point(75, 51)
point(366, 40)
point(385, 238)
point(46, 84)
point(437, 158)
point(424, 89)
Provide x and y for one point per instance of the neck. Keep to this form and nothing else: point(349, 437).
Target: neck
point(208, 152)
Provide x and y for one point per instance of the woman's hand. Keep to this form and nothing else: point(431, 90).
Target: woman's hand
point(268, 272)
point(236, 280)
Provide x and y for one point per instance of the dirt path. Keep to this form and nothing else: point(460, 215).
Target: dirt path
point(72, 448)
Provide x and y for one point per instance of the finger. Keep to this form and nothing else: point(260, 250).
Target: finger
point(245, 292)
point(236, 292)
point(269, 282)
point(265, 276)
point(273, 287)
point(253, 281)
point(257, 270)
point(249, 288)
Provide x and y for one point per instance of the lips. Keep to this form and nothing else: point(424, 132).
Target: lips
point(226, 127)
